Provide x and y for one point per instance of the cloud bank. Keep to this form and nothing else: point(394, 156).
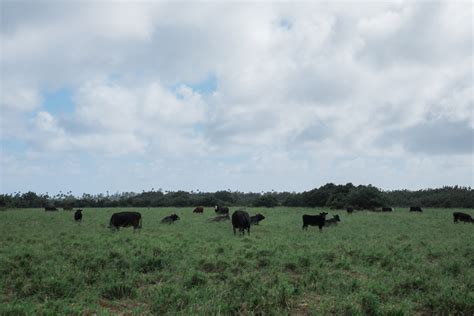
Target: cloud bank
point(247, 96)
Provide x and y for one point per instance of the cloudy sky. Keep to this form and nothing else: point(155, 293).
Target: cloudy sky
point(130, 96)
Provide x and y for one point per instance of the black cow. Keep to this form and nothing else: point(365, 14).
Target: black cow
point(415, 209)
point(170, 219)
point(219, 218)
point(350, 210)
point(255, 220)
point(314, 220)
point(50, 209)
point(332, 221)
point(221, 209)
point(126, 219)
point(241, 220)
point(387, 209)
point(199, 209)
point(78, 215)
point(463, 217)
point(67, 208)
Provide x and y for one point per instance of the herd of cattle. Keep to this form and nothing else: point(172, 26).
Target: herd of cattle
point(241, 220)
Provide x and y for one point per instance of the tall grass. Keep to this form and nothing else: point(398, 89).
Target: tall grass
point(371, 263)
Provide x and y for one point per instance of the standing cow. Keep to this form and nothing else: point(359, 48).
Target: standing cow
point(50, 208)
point(241, 220)
point(199, 209)
point(463, 217)
point(350, 210)
point(78, 215)
point(314, 220)
point(387, 209)
point(221, 209)
point(415, 209)
point(126, 219)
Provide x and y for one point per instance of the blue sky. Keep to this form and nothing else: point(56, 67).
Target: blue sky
point(249, 97)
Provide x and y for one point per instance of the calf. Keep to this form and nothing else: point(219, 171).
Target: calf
point(314, 220)
point(241, 220)
point(78, 215)
point(415, 209)
point(350, 210)
point(332, 221)
point(199, 209)
point(170, 219)
point(387, 209)
point(463, 217)
point(255, 220)
point(67, 208)
point(126, 219)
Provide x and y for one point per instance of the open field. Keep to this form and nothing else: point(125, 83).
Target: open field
point(371, 263)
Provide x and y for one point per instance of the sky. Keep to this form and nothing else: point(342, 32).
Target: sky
point(129, 96)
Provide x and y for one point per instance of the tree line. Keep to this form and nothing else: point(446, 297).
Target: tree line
point(329, 195)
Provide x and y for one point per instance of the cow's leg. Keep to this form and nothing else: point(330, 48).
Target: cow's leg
point(234, 230)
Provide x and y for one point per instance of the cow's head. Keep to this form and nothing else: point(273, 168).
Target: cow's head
point(336, 217)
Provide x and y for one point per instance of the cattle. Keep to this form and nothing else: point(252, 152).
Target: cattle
point(314, 220)
point(221, 209)
point(332, 221)
point(170, 219)
point(241, 220)
point(463, 217)
point(199, 209)
point(78, 215)
point(387, 209)
point(50, 209)
point(126, 219)
point(415, 209)
point(219, 218)
point(350, 210)
point(67, 208)
point(255, 220)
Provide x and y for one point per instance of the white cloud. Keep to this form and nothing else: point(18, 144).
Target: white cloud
point(319, 85)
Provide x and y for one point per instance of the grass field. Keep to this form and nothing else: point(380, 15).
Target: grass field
point(396, 263)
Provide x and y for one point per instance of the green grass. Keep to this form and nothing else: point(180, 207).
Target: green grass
point(396, 263)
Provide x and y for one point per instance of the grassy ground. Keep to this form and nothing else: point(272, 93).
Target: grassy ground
point(371, 263)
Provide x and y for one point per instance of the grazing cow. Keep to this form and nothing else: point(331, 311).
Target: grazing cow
point(219, 218)
point(221, 209)
point(463, 217)
point(126, 219)
point(314, 220)
point(387, 209)
point(241, 220)
point(350, 210)
point(50, 209)
point(415, 209)
point(170, 219)
point(255, 220)
point(67, 208)
point(332, 221)
point(199, 209)
point(78, 215)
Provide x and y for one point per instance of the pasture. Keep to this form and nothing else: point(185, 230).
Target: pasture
point(371, 263)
